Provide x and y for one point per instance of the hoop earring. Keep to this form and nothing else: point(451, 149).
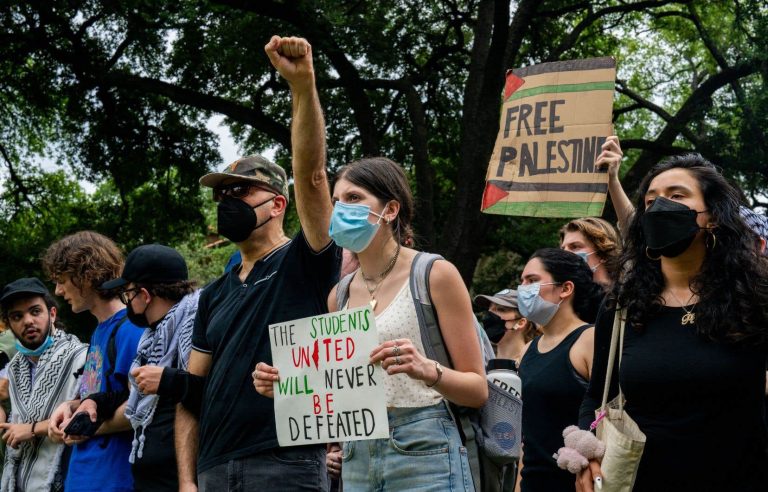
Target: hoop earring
point(714, 239)
point(651, 257)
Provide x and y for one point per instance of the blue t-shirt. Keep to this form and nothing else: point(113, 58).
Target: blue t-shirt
point(101, 463)
point(233, 261)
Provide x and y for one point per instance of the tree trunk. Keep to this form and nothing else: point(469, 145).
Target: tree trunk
point(496, 45)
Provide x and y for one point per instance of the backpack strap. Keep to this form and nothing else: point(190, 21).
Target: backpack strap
point(431, 336)
point(112, 353)
point(434, 348)
point(342, 290)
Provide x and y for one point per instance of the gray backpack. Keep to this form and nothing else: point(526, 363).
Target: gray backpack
point(494, 430)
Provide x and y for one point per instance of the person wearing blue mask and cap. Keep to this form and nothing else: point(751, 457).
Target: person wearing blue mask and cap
point(44, 373)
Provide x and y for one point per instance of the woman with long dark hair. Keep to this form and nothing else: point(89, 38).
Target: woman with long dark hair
point(693, 361)
point(559, 295)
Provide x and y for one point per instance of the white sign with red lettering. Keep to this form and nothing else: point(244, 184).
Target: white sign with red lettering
point(328, 392)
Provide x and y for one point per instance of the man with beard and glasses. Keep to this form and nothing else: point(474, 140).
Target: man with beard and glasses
point(161, 299)
point(279, 279)
point(44, 373)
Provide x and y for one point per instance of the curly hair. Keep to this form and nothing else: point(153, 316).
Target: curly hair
point(88, 258)
point(173, 291)
point(566, 266)
point(603, 235)
point(385, 180)
point(732, 283)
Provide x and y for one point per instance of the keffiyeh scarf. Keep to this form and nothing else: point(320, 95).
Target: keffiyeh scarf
point(35, 465)
point(167, 345)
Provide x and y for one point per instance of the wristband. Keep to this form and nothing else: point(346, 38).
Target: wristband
point(439, 370)
point(33, 428)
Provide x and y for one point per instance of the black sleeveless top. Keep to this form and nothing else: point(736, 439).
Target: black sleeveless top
point(552, 395)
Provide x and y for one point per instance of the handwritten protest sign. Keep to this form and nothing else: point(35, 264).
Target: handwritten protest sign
point(554, 118)
point(328, 391)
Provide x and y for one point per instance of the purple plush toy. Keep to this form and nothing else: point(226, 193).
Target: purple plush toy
point(580, 447)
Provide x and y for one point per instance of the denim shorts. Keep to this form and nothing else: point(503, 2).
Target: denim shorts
point(277, 470)
point(423, 452)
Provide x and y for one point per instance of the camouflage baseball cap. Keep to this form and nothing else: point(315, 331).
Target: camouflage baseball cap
point(255, 168)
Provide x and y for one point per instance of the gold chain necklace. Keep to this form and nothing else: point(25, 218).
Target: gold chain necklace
point(372, 290)
point(689, 317)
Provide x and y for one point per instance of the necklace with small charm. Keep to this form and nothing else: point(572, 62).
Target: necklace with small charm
point(689, 317)
point(377, 280)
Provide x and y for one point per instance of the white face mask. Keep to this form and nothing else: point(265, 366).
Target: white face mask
point(585, 256)
point(534, 307)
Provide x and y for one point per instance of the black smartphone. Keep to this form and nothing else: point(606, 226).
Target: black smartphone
point(81, 425)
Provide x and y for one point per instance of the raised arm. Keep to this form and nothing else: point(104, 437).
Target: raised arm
point(292, 58)
point(610, 158)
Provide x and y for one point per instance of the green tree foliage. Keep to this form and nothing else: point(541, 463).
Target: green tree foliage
point(120, 92)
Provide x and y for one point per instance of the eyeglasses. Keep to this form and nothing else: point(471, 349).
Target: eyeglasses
point(237, 190)
point(124, 295)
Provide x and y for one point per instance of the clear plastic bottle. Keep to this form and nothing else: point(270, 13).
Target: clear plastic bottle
point(503, 373)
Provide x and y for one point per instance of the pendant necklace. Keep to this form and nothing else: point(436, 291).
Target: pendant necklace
point(377, 280)
point(689, 317)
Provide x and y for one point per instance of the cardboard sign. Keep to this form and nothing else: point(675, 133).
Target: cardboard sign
point(554, 119)
point(328, 392)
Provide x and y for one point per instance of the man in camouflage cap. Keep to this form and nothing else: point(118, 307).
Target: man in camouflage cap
point(279, 279)
point(255, 169)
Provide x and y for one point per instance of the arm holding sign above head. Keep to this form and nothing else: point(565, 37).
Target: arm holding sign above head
point(465, 384)
point(610, 158)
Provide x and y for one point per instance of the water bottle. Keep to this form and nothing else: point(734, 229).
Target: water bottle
point(503, 373)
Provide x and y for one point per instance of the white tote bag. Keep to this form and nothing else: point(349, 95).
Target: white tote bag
point(624, 441)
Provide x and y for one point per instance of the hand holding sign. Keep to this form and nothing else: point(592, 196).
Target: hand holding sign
point(610, 157)
point(264, 377)
point(327, 388)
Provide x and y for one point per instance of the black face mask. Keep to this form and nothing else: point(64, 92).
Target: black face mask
point(137, 319)
point(669, 227)
point(140, 319)
point(236, 219)
point(494, 327)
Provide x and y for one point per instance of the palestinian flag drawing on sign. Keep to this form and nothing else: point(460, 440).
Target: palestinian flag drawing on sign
point(554, 119)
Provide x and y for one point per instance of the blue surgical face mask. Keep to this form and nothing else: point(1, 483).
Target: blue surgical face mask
point(532, 306)
point(585, 256)
point(350, 228)
point(39, 350)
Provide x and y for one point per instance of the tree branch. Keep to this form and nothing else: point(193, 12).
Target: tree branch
point(573, 37)
point(319, 32)
point(16, 179)
point(690, 108)
point(235, 111)
point(646, 104)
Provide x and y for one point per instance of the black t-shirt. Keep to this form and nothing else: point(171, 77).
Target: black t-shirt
point(699, 403)
point(155, 471)
point(290, 283)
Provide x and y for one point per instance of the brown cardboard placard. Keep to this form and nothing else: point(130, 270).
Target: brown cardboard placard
point(554, 119)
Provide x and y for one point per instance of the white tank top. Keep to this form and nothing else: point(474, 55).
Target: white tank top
point(398, 320)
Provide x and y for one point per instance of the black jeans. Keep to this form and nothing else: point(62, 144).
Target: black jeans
point(280, 469)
